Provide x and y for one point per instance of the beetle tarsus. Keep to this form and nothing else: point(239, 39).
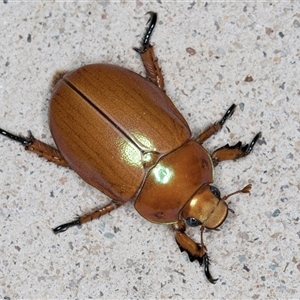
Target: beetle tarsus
point(205, 259)
point(251, 145)
point(38, 147)
point(64, 227)
point(18, 138)
point(146, 40)
point(146, 51)
point(228, 114)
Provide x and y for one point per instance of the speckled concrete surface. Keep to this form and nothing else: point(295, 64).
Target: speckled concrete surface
point(206, 50)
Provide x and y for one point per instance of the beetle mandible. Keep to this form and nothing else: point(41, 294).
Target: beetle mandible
point(123, 135)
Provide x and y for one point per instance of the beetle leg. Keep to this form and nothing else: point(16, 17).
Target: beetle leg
point(146, 40)
point(194, 250)
point(87, 218)
point(153, 71)
point(214, 128)
point(233, 152)
point(38, 147)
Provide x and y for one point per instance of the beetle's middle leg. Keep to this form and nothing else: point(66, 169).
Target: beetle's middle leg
point(214, 128)
point(153, 71)
point(87, 218)
point(32, 144)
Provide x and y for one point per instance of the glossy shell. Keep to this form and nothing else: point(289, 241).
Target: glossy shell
point(111, 125)
point(114, 128)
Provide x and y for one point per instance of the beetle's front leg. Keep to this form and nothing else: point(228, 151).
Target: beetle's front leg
point(233, 152)
point(153, 71)
point(43, 150)
point(194, 250)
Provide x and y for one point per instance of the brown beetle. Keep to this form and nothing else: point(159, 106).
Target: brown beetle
point(123, 135)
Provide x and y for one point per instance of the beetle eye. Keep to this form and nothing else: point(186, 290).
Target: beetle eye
point(193, 222)
point(215, 191)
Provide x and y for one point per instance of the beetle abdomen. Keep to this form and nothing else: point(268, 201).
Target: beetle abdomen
point(105, 118)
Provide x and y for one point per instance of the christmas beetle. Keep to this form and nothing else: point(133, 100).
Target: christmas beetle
point(123, 135)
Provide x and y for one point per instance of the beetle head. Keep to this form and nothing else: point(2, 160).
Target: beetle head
point(207, 208)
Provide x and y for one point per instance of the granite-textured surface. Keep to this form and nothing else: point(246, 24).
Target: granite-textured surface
point(206, 51)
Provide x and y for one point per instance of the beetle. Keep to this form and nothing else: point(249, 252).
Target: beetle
point(123, 135)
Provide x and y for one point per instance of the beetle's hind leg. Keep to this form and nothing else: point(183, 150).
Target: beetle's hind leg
point(153, 71)
point(32, 144)
point(233, 152)
point(87, 218)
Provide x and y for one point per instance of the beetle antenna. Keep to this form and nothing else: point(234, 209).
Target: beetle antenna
point(149, 30)
point(245, 190)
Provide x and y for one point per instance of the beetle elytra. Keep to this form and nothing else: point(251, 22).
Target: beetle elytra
point(123, 135)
